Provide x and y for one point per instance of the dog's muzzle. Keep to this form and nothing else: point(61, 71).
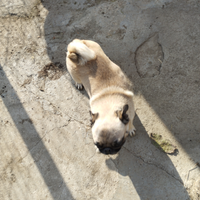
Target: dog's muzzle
point(109, 150)
point(112, 149)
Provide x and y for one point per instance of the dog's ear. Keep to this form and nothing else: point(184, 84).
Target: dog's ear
point(73, 56)
point(122, 114)
point(93, 117)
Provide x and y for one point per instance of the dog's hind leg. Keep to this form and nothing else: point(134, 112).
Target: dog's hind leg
point(77, 80)
point(78, 83)
point(79, 86)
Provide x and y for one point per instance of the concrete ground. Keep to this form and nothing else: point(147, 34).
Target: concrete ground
point(46, 147)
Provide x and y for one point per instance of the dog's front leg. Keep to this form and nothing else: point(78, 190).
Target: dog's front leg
point(131, 129)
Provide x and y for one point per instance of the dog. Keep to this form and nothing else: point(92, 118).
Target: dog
point(111, 100)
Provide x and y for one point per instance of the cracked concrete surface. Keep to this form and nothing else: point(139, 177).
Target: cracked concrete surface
point(46, 146)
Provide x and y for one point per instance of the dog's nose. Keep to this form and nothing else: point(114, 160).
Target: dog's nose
point(107, 150)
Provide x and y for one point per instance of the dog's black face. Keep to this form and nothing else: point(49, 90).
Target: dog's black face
point(111, 149)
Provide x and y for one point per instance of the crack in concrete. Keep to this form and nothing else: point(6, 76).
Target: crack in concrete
point(29, 151)
point(70, 117)
point(159, 167)
point(188, 174)
point(92, 156)
point(86, 126)
point(41, 139)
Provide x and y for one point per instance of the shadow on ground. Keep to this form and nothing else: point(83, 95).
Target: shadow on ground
point(151, 171)
point(45, 164)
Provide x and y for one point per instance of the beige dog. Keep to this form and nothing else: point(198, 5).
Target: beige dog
point(111, 101)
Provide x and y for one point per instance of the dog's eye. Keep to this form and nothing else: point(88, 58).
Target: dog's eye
point(117, 143)
point(99, 145)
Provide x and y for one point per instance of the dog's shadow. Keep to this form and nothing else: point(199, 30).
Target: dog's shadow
point(149, 169)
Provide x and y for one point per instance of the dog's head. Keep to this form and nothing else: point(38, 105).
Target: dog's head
point(109, 130)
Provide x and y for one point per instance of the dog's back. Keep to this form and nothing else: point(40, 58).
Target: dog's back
point(93, 68)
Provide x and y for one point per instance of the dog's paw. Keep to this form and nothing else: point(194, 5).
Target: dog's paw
point(132, 132)
point(79, 86)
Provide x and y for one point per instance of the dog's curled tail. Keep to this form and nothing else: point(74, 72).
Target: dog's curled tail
point(79, 52)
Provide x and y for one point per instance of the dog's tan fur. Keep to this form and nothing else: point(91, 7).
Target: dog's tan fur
point(108, 88)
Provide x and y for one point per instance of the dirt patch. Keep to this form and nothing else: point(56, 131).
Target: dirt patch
point(52, 70)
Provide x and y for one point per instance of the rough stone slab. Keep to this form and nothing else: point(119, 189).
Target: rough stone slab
point(46, 146)
point(21, 8)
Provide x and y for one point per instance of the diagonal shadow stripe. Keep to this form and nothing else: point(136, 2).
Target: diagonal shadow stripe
point(31, 138)
point(144, 173)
